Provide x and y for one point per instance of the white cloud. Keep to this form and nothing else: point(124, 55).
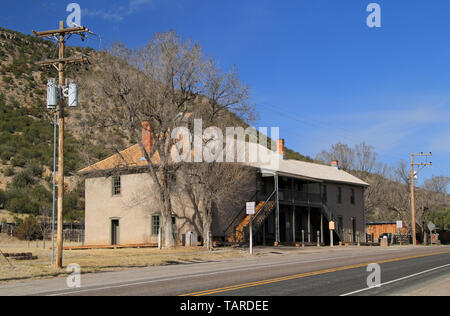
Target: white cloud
point(118, 13)
point(423, 126)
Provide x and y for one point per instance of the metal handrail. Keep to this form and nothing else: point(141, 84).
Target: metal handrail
point(261, 211)
point(262, 207)
point(239, 214)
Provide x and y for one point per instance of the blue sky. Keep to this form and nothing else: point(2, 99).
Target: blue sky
point(314, 67)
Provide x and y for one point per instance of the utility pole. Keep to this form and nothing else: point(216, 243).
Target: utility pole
point(413, 210)
point(61, 35)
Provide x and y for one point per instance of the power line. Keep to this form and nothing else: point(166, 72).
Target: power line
point(294, 117)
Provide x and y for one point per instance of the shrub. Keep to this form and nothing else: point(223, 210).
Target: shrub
point(9, 171)
point(29, 229)
point(18, 161)
point(7, 79)
point(3, 198)
point(35, 169)
point(23, 179)
point(17, 205)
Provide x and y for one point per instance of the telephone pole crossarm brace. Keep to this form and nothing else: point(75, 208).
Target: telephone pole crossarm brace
point(61, 35)
point(413, 174)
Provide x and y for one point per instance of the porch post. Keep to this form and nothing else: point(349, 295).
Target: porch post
point(309, 224)
point(321, 227)
point(293, 225)
point(277, 215)
point(264, 233)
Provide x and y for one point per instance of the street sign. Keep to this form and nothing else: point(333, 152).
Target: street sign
point(431, 226)
point(251, 208)
point(332, 226)
point(399, 224)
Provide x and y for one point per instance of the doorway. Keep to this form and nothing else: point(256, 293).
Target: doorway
point(282, 227)
point(115, 232)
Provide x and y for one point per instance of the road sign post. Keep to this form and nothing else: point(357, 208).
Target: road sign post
point(251, 234)
point(251, 211)
point(432, 227)
point(331, 228)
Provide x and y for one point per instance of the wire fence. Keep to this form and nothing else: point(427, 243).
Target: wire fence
point(71, 232)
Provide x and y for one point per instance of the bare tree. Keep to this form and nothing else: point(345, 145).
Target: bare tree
point(438, 184)
point(402, 173)
point(156, 88)
point(366, 157)
point(215, 188)
point(340, 152)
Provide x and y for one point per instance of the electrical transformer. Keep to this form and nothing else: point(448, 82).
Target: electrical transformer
point(73, 95)
point(52, 94)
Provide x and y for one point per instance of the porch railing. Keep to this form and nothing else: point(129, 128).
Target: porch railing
point(299, 196)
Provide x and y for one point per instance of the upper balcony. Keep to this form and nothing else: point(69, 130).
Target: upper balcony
point(294, 191)
point(287, 196)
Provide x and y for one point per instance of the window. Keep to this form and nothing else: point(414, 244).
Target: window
point(155, 225)
point(174, 225)
point(339, 195)
point(324, 193)
point(352, 197)
point(340, 225)
point(116, 186)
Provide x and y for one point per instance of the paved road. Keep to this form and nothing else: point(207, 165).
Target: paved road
point(325, 271)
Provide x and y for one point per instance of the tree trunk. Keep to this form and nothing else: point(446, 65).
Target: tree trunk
point(207, 223)
point(169, 241)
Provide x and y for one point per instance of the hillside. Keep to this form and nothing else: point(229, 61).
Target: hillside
point(26, 129)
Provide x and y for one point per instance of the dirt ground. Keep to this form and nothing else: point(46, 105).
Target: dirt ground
point(97, 260)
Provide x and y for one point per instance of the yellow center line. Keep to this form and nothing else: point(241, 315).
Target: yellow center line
point(302, 275)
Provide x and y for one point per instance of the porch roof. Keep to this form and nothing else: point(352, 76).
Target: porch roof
point(309, 171)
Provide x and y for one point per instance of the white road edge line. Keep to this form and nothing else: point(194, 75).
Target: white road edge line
point(397, 280)
point(101, 286)
point(248, 267)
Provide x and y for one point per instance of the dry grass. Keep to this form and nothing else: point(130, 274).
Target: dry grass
point(8, 216)
point(98, 260)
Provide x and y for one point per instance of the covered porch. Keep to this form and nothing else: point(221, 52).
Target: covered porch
point(299, 215)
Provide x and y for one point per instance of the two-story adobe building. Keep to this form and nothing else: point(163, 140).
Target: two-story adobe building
point(295, 201)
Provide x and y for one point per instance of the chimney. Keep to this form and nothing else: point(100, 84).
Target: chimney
point(146, 139)
point(335, 164)
point(281, 149)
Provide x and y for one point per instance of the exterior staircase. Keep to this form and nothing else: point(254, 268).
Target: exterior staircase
point(262, 210)
point(239, 232)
